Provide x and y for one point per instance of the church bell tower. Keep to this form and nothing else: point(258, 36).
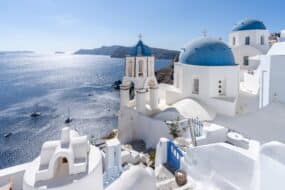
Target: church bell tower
point(140, 74)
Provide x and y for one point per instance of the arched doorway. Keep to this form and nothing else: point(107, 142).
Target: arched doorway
point(61, 167)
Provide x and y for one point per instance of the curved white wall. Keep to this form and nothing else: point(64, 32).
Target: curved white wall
point(224, 166)
point(272, 166)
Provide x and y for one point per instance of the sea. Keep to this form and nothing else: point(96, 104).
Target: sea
point(57, 86)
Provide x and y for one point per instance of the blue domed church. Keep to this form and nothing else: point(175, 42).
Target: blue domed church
point(206, 83)
point(206, 71)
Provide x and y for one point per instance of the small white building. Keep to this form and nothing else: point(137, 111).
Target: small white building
point(68, 163)
point(249, 37)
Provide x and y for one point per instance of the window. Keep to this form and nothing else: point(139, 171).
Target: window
point(234, 41)
point(245, 61)
point(195, 89)
point(262, 40)
point(141, 67)
point(247, 40)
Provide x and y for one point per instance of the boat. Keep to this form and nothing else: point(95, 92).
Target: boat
point(116, 84)
point(68, 119)
point(35, 113)
point(7, 135)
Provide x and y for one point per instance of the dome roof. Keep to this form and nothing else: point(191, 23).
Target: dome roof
point(140, 49)
point(249, 24)
point(207, 52)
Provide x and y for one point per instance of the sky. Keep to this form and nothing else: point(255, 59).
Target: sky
point(68, 25)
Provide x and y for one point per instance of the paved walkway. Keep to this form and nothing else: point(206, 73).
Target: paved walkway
point(165, 180)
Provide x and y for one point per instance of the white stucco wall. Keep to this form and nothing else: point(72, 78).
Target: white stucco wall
point(255, 48)
point(272, 79)
point(136, 178)
point(134, 126)
point(13, 174)
point(251, 81)
point(221, 166)
point(277, 78)
point(209, 77)
point(272, 166)
point(161, 154)
point(87, 180)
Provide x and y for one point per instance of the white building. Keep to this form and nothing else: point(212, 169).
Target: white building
point(225, 166)
point(248, 38)
point(207, 103)
point(206, 83)
point(139, 72)
point(206, 72)
point(68, 163)
point(272, 75)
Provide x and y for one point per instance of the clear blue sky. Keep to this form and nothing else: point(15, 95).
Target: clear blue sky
point(49, 25)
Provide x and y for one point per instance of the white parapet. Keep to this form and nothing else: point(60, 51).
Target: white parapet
point(70, 160)
point(124, 95)
point(65, 135)
point(272, 166)
point(113, 154)
point(141, 100)
point(154, 100)
point(161, 154)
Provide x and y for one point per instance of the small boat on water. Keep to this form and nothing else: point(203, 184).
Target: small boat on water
point(116, 84)
point(7, 135)
point(35, 113)
point(68, 119)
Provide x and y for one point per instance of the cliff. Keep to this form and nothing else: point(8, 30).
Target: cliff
point(117, 51)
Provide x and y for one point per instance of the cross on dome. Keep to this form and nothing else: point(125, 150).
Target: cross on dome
point(140, 36)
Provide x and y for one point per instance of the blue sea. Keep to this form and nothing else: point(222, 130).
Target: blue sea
point(52, 85)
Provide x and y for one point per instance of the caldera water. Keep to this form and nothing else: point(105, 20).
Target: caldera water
point(57, 86)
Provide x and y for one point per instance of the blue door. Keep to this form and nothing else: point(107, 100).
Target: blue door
point(174, 155)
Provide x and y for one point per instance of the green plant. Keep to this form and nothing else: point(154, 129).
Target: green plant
point(173, 128)
point(152, 157)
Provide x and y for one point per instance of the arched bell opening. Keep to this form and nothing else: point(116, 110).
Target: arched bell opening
point(132, 91)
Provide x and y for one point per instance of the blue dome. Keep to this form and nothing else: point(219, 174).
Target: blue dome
point(249, 24)
point(207, 52)
point(140, 50)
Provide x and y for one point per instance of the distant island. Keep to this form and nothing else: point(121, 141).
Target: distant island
point(15, 52)
point(59, 52)
point(118, 51)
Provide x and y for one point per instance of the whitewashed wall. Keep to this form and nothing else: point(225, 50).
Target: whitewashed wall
point(272, 79)
point(134, 126)
point(221, 165)
point(15, 174)
point(277, 78)
point(208, 86)
point(272, 166)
